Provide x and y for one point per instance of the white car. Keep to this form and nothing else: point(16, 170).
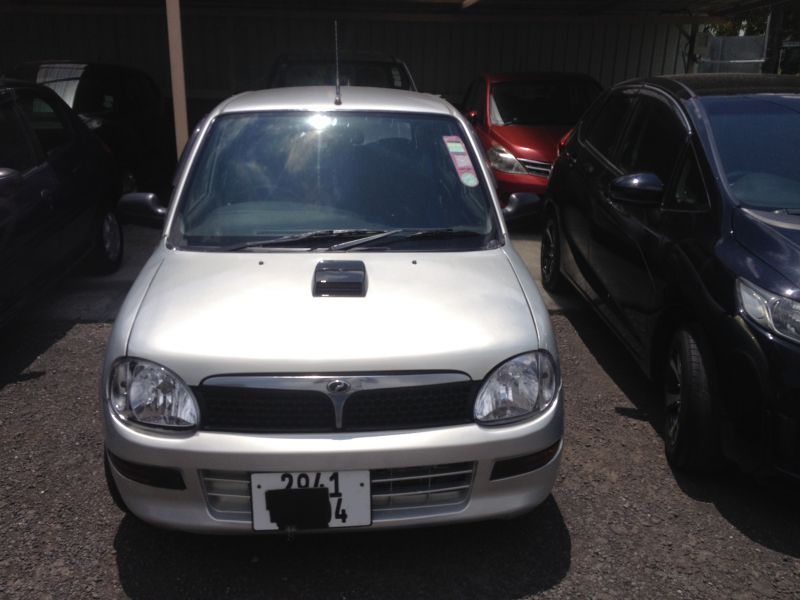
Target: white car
point(333, 331)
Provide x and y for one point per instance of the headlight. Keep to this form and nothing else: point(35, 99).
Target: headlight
point(149, 394)
point(502, 160)
point(523, 386)
point(776, 313)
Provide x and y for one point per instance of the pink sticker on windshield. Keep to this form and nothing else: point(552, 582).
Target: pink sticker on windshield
point(461, 160)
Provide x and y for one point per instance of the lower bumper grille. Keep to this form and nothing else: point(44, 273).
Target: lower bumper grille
point(400, 492)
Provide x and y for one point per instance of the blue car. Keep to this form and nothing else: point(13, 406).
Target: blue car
point(675, 211)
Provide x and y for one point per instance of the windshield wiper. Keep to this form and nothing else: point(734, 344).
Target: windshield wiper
point(298, 237)
point(365, 240)
point(404, 235)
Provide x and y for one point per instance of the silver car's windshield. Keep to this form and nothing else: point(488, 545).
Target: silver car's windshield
point(274, 177)
point(756, 138)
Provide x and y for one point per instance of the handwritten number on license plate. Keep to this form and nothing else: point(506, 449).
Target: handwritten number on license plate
point(304, 481)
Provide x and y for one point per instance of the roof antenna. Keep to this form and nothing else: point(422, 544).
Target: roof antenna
point(338, 98)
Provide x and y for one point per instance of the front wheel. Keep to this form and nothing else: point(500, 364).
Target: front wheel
point(107, 254)
point(550, 258)
point(691, 436)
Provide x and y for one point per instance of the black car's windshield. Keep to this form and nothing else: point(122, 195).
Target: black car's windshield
point(757, 140)
point(271, 180)
point(556, 102)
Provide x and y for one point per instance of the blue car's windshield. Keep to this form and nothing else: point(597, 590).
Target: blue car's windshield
point(273, 176)
point(757, 138)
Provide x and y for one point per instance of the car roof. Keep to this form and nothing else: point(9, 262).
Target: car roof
point(321, 98)
point(536, 76)
point(723, 84)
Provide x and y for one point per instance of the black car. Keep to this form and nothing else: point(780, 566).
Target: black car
point(675, 211)
point(124, 107)
point(58, 191)
point(360, 69)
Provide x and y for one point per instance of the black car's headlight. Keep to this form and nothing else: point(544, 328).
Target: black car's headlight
point(143, 392)
point(776, 313)
point(519, 388)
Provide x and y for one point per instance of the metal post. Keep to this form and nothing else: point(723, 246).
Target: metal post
point(774, 40)
point(177, 73)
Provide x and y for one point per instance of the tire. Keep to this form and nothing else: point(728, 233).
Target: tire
point(113, 490)
point(108, 244)
point(691, 432)
point(550, 255)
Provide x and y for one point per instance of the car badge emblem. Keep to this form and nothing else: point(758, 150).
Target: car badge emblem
point(337, 386)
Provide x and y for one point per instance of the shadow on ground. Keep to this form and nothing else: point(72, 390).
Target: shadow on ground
point(499, 559)
point(22, 342)
point(764, 511)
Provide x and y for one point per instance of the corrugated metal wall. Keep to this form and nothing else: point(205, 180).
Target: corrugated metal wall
point(230, 51)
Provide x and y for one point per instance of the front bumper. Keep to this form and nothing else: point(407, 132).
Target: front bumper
point(205, 460)
point(511, 183)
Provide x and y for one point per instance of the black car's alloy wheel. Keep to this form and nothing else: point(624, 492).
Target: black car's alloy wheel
point(690, 430)
point(551, 255)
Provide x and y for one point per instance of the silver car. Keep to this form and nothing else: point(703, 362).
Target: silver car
point(333, 331)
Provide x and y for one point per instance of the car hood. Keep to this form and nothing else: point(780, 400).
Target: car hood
point(772, 237)
point(533, 142)
point(223, 313)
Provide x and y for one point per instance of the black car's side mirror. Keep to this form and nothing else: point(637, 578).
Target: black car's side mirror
point(643, 189)
point(522, 203)
point(10, 180)
point(142, 208)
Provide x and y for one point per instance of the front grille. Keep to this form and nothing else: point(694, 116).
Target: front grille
point(435, 487)
point(396, 493)
point(259, 410)
point(410, 408)
point(535, 167)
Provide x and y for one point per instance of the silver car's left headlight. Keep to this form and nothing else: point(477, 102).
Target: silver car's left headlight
point(773, 312)
point(148, 394)
point(522, 386)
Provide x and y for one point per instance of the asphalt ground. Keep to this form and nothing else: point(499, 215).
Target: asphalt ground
point(619, 524)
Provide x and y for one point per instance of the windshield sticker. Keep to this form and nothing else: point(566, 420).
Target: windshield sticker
point(461, 160)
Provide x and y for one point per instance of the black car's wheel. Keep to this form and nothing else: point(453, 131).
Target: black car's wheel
point(690, 431)
point(108, 244)
point(550, 259)
point(113, 490)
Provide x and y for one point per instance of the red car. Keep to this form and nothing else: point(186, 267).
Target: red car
point(520, 119)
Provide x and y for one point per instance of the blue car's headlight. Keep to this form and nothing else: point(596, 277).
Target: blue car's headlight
point(143, 392)
point(522, 386)
point(773, 312)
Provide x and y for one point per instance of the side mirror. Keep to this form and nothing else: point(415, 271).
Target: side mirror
point(142, 208)
point(643, 189)
point(522, 203)
point(10, 180)
point(472, 117)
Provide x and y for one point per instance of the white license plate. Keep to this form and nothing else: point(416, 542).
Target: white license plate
point(297, 499)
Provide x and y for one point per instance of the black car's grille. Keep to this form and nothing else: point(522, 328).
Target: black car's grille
point(258, 410)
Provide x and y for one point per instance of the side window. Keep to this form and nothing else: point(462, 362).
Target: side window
point(607, 126)
point(690, 191)
point(476, 99)
point(47, 119)
point(653, 141)
point(16, 150)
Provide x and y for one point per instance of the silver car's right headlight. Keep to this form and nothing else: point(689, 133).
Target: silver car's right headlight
point(146, 393)
point(773, 312)
point(519, 388)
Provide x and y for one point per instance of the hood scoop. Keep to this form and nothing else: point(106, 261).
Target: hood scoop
point(346, 278)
